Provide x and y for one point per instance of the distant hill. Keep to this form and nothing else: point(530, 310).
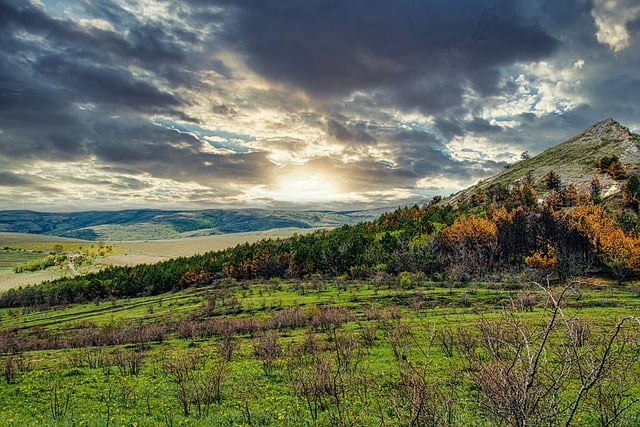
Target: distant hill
point(574, 161)
point(151, 224)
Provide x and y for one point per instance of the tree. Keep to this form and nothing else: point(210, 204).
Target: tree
point(524, 194)
point(542, 259)
point(552, 181)
point(612, 166)
point(479, 198)
point(632, 192)
point(618, 250)
point(596, 188)
point(470, 245)
point(570, 195)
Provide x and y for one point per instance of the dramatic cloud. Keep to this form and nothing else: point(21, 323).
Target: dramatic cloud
point(612, 18)
point(296, 104)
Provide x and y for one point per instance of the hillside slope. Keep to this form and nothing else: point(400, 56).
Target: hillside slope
point(574, 161)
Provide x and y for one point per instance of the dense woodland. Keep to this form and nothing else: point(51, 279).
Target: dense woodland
point(492, 234)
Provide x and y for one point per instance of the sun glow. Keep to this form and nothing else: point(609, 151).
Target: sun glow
point(311, 187)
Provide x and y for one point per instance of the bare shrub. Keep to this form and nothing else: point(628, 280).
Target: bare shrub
point(328, 319)
point(311, 344)
point(348, 351)
point(289, 318)
point(85, 335)
point(311, 379)
point(368, 334)
point(267, 349)
point(446, 338)
point(196, 387)
point(228, 342)
point(59, 402)
point(416, 399)
point(90, 357)
point(181, 369)
point(400, 337)
point(129, 362)
point(416, 303)
point(210, 387)
point(187, 329)
point(578, 331)
point(523, 301)
point(10, 371)
point(527, 374)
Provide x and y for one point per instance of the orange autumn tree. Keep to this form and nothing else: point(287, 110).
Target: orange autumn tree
point(469, 245)
point(618, 250)
point(544, 259)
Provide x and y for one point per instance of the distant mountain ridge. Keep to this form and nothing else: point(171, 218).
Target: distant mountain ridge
point(151, 224)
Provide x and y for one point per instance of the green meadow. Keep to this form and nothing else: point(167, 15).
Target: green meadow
point(316, 352)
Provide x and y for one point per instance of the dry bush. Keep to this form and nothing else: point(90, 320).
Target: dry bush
point(368, 334)
point(181, 369)
point(400, 337)
point(289, 318)
point(129, 362)
point(328, 319)
point(523, 301)
point(89, 357)
point(267, 349)
point(197, 386)
point(529, 373)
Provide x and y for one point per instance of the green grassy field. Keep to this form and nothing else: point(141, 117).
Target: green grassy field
point(315, 352)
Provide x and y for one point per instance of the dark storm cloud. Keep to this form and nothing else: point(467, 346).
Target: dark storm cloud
point(104, 85)
point(35, 118)
point(420, 153)
point(147, 45)
point(60, 62)
point(451, 127)
point(424, 52)
point(11, 179)
point(59, 79)
point(160, 152)
point(26, 183)
point(139, 94)
point(344, 131)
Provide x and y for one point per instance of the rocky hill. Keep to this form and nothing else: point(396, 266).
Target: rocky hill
point(574, 161)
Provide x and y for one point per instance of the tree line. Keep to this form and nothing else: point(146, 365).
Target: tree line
point(497, 230)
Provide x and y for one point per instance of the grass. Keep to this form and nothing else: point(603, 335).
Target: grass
point(106, 395)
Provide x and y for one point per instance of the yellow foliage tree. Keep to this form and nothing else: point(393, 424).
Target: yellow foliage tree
point(542, 260)
point(471, 243)
point(618, 250)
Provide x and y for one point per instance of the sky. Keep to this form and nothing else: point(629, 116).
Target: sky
point(297, 104)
